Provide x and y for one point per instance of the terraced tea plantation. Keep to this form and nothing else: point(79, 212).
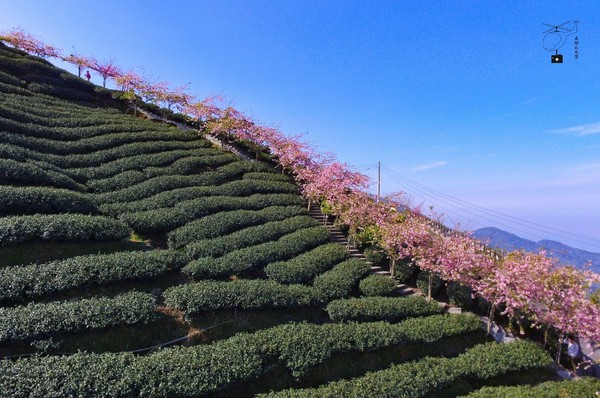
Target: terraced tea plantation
point(118, 235)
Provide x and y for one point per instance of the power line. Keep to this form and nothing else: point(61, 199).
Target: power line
point(434, 196)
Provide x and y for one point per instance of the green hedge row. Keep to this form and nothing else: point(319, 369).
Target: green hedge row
point(341, 279)
point(267, 176)
point(50, 113)
point(11, 80)
point(204, 369)
point(193, 164)
point(34, 321)
point(226, 222)
point(61, 92)
point(15, 153)
point(15, 172)
point(60, 227)
point(100, 157)
point(7, 89)
point(117, 182)
point(87, 145)
point(183, 166)
point(23, 64)
point(405, 269)
point(165, 183)
point(255, 257)
point(209, 295)
point(391, 309)
point(73, 133)
point(306, 266)
point(137, 162)
point(174, 372)
point(186, 212)
point(423, 377)
point(30, 200)
point(51, 107)
point(250, 236)
point(582, 388)
point(172, 197)
point(36, 280)
point(377, 285)
point(301, 346)
point(243, 293)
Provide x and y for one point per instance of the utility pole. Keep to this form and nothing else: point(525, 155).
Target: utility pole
point(378, 181)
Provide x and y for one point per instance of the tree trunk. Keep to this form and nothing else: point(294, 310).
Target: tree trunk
point(490, 318)
point(393, 267)
point(429, 286)
point(559, 348)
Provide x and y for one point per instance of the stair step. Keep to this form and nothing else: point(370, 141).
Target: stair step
point(376, 268)
point(386, 273)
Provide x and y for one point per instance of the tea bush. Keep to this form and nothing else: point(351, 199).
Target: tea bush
point(60, 227)
point(258, 256)
point(266, 176)
point(250, 236)
point(36, 280)
point(30, 200)
point(14, 172)
point(376, 255)
point(581, 388)
point(227, 222)
point(205, 369)
point(252, 293)
point(377, 285)
point(306, 266)
point(92, 144)
point(172, 197)
point(167, 219)
point(165, 183)
point(33, 321)
point(421, 378)
point(391, 309)
point(303, 345)
point(404, 270)
point(460, 295)
point(341, 279)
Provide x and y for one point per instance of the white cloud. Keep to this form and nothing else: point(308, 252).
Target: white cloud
point(584, 129)
point(429, 166)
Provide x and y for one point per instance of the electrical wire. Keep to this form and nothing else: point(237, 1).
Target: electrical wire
point(445, 202)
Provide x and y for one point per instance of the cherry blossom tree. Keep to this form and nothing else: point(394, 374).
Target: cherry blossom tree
point(564, 301)
point(333, 182)
point(402, 233)
point(202, 111)
point(106, 69)
point(22, 40)
point(78, 61)
point(131, 84)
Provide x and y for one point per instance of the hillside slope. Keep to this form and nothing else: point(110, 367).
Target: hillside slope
point(118, 235)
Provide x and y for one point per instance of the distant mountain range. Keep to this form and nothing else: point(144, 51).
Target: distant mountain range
point(503, 240)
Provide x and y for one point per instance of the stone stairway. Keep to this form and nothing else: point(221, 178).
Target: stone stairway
point(338, 236)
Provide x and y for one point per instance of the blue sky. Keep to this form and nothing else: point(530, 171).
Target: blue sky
point(457, 96)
